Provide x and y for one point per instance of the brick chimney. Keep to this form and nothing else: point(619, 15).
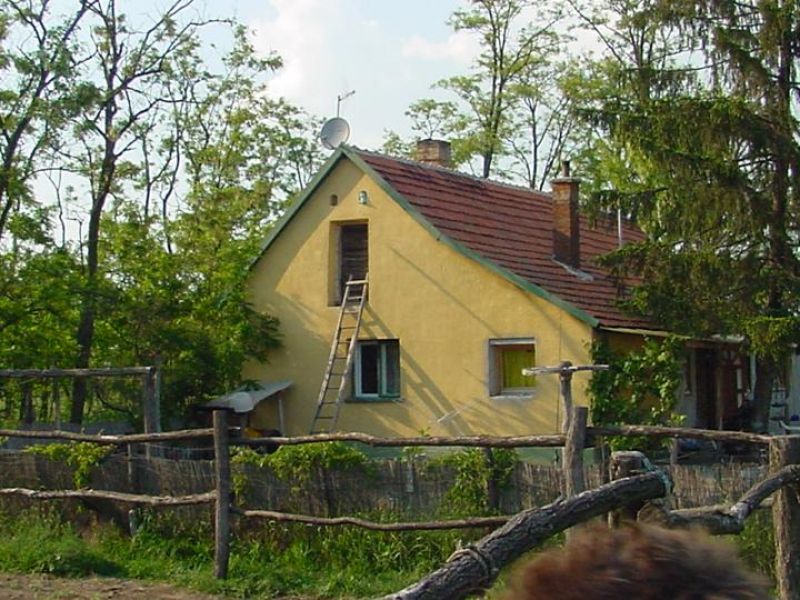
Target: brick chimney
point(433, 152)
point(566, 229)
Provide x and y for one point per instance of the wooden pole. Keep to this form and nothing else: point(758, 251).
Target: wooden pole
point(572, 465)
point(565, 382)
point(492, 492)
point(574, 482)
point(222, 468)
point(57, 403)
point(150, 408)
point(26, 412)
point(785, 451)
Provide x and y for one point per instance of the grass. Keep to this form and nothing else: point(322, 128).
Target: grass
point(273, 561)
point(270, 561)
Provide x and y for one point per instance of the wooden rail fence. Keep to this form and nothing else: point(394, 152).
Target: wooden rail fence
point(477, 566)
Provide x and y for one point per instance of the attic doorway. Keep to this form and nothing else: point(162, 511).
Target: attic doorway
point(353, 255)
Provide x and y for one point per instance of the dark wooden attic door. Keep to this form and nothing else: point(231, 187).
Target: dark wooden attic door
point(354, 253)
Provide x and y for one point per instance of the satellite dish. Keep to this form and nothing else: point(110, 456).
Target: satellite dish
point(334, 132)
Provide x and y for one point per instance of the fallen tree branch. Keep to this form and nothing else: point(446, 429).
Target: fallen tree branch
point(373, 525)
point(476, 567)
point(721, 519)
point(107, 495)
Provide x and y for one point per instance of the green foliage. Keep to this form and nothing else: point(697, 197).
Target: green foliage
point(756, 542)
point(297, 464)
point(468, 496)
point(81, 456)
point(639, 388)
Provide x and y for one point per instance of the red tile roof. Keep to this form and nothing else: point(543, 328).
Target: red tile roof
point(512, 227)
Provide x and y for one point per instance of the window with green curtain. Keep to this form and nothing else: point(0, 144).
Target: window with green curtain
point(513, 359)
point(507, 358)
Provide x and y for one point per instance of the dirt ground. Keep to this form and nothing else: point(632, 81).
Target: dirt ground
point(42, 587)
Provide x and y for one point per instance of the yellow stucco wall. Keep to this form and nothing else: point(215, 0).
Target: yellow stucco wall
point(442, 306)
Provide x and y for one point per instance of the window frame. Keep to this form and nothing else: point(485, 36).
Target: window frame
point(383, 394)
point(495, 367)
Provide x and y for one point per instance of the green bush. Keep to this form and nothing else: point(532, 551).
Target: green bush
point(81, 456)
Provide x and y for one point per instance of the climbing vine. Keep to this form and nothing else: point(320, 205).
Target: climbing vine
point(639, 388)
point(296, 464)
point(81, 456)
point(473, 476)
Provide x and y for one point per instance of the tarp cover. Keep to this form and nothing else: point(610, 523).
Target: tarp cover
point(245, 398)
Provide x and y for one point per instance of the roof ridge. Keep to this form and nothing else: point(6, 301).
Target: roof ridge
point(449, 171)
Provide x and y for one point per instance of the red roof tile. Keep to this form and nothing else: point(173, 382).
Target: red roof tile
point(512, 227)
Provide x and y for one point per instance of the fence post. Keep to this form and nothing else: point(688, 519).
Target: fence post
point(785, 451)
point(492, 493)
point(150, 414)
point(222, 469)
point(625, 464)
point(573, 452)
point(565, 383)
point(57, 403)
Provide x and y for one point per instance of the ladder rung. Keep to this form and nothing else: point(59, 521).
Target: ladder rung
point(356, 282)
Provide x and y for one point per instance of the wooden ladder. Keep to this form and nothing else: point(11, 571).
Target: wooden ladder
point(340, 362)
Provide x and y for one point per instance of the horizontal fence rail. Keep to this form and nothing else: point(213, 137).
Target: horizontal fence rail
point(112, 440)
point(83, 494)
point(66, 373)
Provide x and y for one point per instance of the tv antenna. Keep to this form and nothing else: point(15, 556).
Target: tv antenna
point(341, 97)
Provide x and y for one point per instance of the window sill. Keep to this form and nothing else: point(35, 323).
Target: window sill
point(530, 395)
point(374, 399)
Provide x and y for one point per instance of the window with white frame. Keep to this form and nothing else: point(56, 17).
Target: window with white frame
point(377, 369)
point(507, 358)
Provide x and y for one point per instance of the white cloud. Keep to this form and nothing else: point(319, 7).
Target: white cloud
point(330, 47)
point(460, 47)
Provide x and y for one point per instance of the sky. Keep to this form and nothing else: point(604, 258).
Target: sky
point(389, 51)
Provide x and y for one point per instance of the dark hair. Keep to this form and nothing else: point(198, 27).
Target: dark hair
point(638, 562)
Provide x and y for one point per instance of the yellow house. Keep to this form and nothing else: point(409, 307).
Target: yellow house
point(469, 282)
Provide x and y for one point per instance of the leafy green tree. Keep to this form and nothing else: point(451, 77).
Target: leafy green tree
point(129, 73)
point(34, 96)
point(507, 107)
point(174, 172)
point(507, 52)
point(697, 105)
